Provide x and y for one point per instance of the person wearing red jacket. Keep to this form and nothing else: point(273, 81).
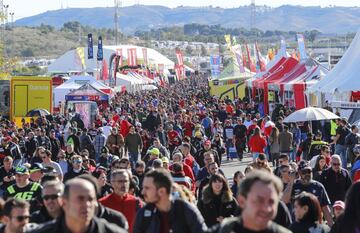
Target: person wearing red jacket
point(257, 143)
point(120, 200)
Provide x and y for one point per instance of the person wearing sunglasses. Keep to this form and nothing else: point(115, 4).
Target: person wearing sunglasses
point(51, 196)
point(16, 216)
point(307, 184)
point(79, 204)
point(48, 162)
point(336, 180)
point(77, 168)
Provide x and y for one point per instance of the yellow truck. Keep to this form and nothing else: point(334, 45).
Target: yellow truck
point(28, 93)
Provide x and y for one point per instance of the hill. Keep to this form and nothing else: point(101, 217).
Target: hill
point(338, 20)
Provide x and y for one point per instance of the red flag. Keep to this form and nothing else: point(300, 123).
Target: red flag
point(144, 50)
point(105, 72)
point(123, 89)
point(180, 58)
point(119, 54)
point(251, 65)
point(260, 59)
point(132, 57)
point(161, 68)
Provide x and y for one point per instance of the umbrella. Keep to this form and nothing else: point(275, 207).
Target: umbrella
point(38, 112)
point(310, 114)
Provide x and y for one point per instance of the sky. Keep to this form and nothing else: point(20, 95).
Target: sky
point(24, 8)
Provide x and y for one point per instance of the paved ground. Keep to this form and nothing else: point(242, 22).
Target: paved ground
point(229, 167)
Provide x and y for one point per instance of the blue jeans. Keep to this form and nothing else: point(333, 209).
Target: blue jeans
point(134, 157)
point(341, 150)
point(254, 156)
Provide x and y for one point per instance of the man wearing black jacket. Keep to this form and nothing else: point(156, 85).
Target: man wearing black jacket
point(51, 196)
point(79, 203)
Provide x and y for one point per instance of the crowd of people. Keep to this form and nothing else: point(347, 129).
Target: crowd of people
point(152, 162)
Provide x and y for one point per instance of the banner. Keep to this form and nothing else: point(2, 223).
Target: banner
point(144, 50)
point(90, 47)
point(105, 71)
point(100, 53)
point(301, 45)
point(228, 40)
point(180, 58)
point(260, 64)
point(239, 58)
point(282, 51)
point(180, 72)
point(215, 66)
point(132, 57)
point(80, 57)
point(250, 64)
point(161, 68)
point(120, 57)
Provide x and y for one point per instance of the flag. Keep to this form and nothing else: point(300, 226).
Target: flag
point(215, 65)
point(144, 50)
point(260, 59)
point(100, 54)
point(80, 57)
point(161, 68)
point(239, 58)
point(250, 64)
point(180, 58)
point(120, 57)
point(234, 41)
point(132, 57)
point(282, 51)
point(228, 40)
point(180, 72)
point(271, 54)
point(105, 71)
point(301, 45)
point(90, 47)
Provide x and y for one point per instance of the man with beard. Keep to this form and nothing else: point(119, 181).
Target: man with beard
point(120, 200)
point(307, 184)
point(163, 213)
point(258, 197)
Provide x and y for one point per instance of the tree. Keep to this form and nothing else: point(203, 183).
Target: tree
point(188, 50)
point(72, 26)
point(204, 51)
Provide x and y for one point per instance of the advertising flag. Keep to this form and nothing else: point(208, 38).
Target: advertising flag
point(301, 45)
point(105, 71)
point(228, 40)
point(90, 47)
point(260, 60)
point(239, 58)
point(250, 64)
point(215, 65)
point(80, 57)
point(120, 57)
point(100, 54)
point(144, 50)
point(180, 58)
point(132, 57)
point(161, 68)
point(282, 51)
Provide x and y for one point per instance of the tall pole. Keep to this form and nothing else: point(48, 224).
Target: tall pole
point(252, 14)
point(117, 4)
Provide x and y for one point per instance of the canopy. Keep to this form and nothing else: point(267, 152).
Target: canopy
point(344, 77)
point(69, 62)
point(74, 83)
point(87, 92)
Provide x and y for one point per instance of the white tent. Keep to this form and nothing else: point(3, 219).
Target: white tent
point(74, 83)
point(344, 77)
point(69, 62)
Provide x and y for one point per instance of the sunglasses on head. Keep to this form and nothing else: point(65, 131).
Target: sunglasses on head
point(21, 218)
point(336, 164)
point(51, 196)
